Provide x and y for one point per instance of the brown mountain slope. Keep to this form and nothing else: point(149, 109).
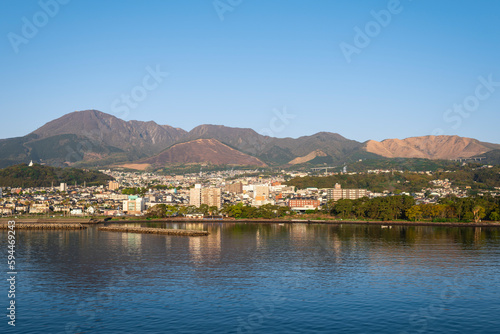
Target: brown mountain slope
point(429, 147)
point(309, 157)
point(276, 150)
point(243, 139)
point(203, 151)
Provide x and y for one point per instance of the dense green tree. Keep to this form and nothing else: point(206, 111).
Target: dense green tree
point(414, 213)
point(495, 216)
point(135, 191)
point(343, 207)
point(157, 211)
point(479, 213)
point(213, 210)
point(204, 209)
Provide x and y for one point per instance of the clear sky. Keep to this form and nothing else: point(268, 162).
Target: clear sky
point(363, 69)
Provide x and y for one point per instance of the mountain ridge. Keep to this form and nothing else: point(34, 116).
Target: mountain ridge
point(430, 147)
point(94, 138)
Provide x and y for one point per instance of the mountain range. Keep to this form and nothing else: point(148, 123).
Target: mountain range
point(94, 138)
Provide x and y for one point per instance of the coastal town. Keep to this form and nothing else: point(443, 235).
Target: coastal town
point(198, 194)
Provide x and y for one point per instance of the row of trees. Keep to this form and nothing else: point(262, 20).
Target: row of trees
point(237, 211)
point(267, 211)
point(404, 207)
point(381, 208)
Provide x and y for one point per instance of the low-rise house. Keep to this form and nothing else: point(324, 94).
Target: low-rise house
point(5, 211)
point(76, 211)
point(39, 208)
point(91, 210)
point(111, 212)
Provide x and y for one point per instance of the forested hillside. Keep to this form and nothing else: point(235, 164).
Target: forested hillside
point(43, 176)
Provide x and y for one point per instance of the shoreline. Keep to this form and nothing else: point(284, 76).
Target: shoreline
point(101, 220)
point(310, 221)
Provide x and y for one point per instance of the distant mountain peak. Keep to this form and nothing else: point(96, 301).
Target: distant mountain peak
point(429, 147)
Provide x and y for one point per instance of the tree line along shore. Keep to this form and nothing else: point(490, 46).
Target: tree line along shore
point(391, 208)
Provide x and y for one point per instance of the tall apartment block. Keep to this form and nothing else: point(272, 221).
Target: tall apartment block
point(339, 193)
point(211, 197)
point(195, 195)
point(208, 196)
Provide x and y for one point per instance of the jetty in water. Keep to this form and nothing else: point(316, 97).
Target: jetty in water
point(189, 233)
point(43, 226)
point(47, 223)
point(61, 220)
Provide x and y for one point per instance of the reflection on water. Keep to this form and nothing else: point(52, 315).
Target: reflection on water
point(195, 249)
point(132, 241)
point(260, 278)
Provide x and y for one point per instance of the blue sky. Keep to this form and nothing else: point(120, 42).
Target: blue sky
point(424, 67)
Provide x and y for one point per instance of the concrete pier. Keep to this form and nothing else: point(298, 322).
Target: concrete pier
point(58, 220)
point(127, 229)
point(44, 226)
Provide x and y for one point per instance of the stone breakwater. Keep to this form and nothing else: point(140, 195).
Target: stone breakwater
point(51, 220)
point(190, 233)
point(40, 226)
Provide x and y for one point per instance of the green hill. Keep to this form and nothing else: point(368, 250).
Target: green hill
point(43, 176)
point(492, 157)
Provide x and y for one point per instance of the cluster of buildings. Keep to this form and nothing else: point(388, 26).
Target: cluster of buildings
point(213, 189)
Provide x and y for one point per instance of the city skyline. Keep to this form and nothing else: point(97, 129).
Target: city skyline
point(370, 70)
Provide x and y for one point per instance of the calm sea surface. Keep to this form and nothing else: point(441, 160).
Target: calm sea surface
point(257, 278)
